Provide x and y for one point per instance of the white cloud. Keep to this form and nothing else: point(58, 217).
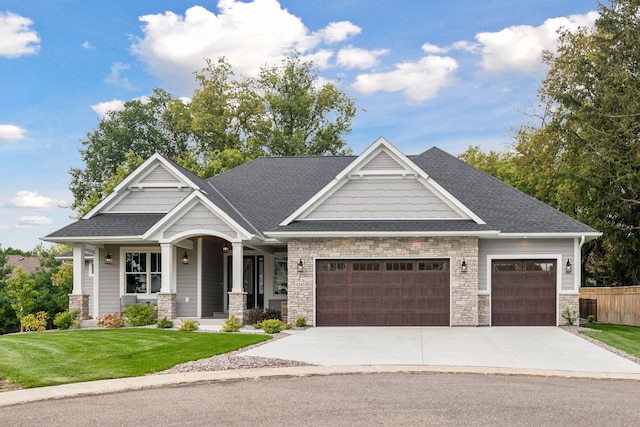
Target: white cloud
point(32, 199)
point(29, 221)
point(102, 108)
point(87, 45)
point(114, 77)
point(11, 133)
point(249, 34)
point(419, 81)
point(432, 48)
point(319, 58)
point(467, 46)
point(354, 57)
point(519, 48)
point(16, 36)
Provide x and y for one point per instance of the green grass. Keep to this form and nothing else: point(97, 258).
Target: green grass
point(52, 358)
point(622, 337)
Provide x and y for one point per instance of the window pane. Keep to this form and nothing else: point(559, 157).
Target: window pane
point(136, 262)
point(399, 266)
point(156, 262)
point(366, 266)
point(156, 283)
point(136, 283)
point(432, 266)
point(280, 275)
point(506, 266)
point(539, 266)
point(333, 266)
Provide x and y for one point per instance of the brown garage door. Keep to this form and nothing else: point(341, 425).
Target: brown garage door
point(382, 293)
point(523, 293)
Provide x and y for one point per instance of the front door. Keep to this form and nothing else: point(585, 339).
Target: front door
point(252, 279)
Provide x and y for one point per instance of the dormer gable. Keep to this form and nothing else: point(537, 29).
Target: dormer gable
point(382, 184)
point(156, 186)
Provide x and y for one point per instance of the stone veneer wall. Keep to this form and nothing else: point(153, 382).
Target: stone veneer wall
point(237, 305)
point(568, 300)
point(484, 310)
point(167, 306)
point(80, 302)
point(464, 286)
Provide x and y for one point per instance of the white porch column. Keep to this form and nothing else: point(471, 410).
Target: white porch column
point(78, 270)
point(237, 268)
point(167, 268)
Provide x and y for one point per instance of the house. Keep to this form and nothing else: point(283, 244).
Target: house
point(376, 239)
point(29, 264)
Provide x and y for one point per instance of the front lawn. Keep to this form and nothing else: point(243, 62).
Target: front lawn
point(52, 358)
point(622, 337)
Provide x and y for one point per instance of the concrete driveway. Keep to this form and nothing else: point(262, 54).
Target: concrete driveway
point(547, 348)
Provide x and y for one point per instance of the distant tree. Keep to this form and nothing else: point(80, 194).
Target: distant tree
point(8, 319)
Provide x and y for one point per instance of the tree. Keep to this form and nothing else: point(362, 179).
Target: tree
point(584, 156)
point(8, 319)
point(22, 293)
point(230, 120)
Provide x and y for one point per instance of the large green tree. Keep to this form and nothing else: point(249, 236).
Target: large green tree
point(286, 110)
point(583, 156)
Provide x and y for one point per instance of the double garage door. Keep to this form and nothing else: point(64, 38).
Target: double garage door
point(417, 292)
point(382, 293)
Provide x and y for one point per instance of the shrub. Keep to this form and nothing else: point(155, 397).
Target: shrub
point(111, 321)
point(165, 323)
point(140, 314)
point(272, 326)
point(232, 324)
point(271, 313)
point(301, 322)
point(34, 322)
point(258, 314)
point(568, 316)
point(189, 325)
point(591, 318)
point(67, 319)
point(288, 326)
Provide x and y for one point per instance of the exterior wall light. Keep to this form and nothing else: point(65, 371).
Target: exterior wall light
point(300, 266)
point(225, 248)
point(463, 266)
point(108, 259)
point(568, 267)
point(185, 258)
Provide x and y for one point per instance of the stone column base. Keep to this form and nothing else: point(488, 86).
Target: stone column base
point(79, 302)
point(167, 306)
point(238, 305)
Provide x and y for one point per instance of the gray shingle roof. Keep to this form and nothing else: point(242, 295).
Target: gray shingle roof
point(111, 224)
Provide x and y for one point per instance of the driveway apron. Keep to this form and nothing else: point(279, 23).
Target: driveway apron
point(547, 348)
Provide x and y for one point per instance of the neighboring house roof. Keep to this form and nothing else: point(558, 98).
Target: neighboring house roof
point(29, 264)
point(68, 256)
point(278, 196)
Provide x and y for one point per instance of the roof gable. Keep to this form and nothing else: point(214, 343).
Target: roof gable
point(382, 184)
point(156, 186)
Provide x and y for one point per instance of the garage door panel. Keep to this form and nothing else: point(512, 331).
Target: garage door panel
point(520, 297)
point(402, 295)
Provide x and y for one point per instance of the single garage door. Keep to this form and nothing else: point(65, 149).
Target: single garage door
point(523, 293)
point(382, 292)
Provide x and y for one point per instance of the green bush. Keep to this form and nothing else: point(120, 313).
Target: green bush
point(67, 319)
point(140, 314)
point(189, 325)
point(34, 322)
point(165, 323)
point(568, 316)
point(111, 321)
point(232, 324)
point(272, 326)
point(591, 318)
point(301, 322)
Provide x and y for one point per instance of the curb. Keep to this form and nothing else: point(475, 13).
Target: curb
point(155, 381)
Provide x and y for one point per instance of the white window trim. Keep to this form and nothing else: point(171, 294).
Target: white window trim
point(123, 282)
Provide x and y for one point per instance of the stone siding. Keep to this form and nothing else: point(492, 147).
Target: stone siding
point(568, 300)
point(80, 302)
point(464, 286)
point(484, 310)
point(167, 306)
point(238, 305)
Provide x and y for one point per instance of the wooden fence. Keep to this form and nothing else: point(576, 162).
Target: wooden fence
point(619, 305)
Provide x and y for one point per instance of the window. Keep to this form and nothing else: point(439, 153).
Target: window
point(432, 266)
point(143, 272)
point(506, 266)
point(539, 266)
point(333, 266)
point(366, 266)
point(399, 266)
point(280, 272)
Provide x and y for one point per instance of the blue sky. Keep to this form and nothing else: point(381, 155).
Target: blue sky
point(424, 73)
